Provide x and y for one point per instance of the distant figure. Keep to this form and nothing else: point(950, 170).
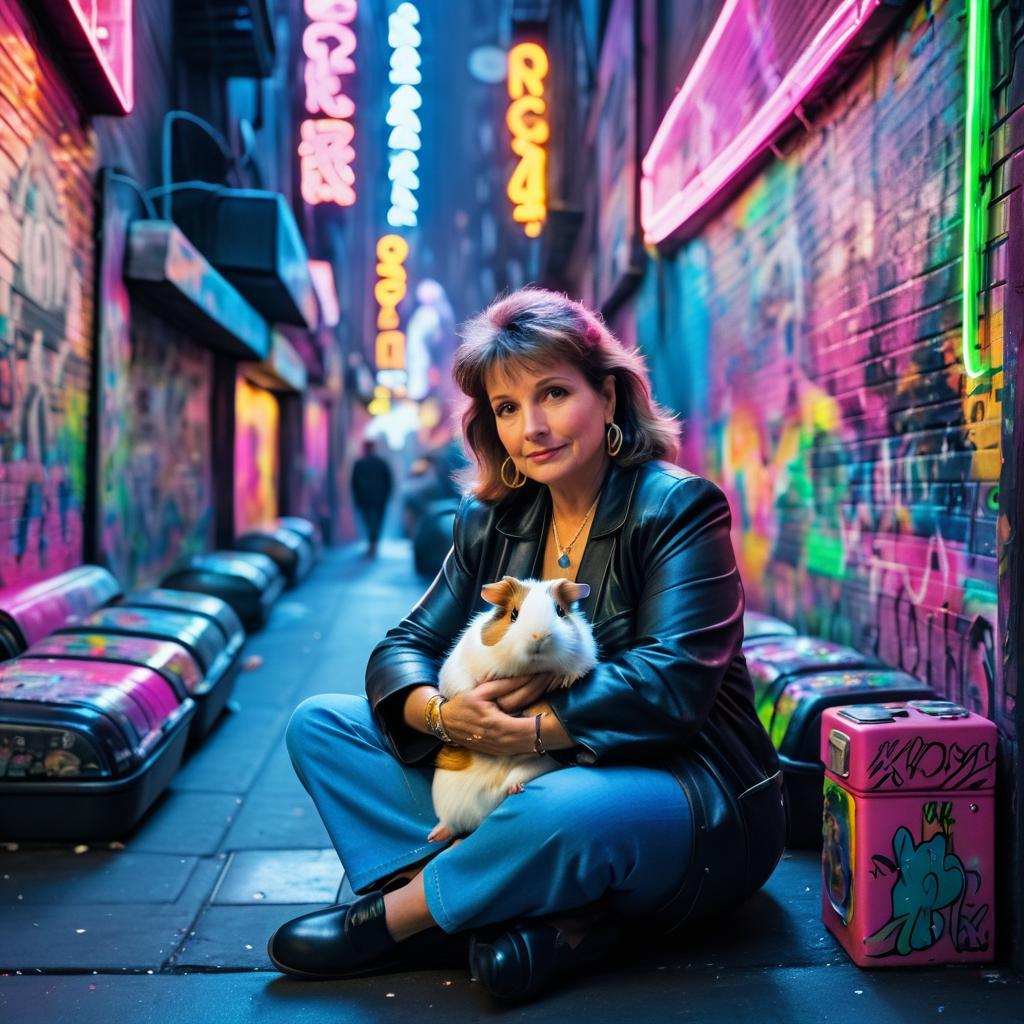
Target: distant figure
point(371, 489)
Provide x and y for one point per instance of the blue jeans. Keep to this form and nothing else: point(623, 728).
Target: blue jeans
point(572, 837)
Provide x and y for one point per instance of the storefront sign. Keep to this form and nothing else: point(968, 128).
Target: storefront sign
point(97, 38)
point(405, 124)
point(527, 188)
point(758, 65)
point(389, 292)
point(326, 153)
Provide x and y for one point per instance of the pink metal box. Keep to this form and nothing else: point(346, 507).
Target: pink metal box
point(908, 857)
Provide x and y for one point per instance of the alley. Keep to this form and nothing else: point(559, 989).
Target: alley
point(172, 924)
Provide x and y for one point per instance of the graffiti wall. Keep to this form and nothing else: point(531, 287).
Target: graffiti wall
point(818, 324)
point(46, 254)
point(155, 487)
point(257, 429)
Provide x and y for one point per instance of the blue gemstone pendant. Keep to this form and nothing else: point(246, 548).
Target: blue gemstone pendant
point(563, 561)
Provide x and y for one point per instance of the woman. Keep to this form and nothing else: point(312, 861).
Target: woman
point(670, 805)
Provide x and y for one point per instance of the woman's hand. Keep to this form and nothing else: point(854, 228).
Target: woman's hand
point(514, 694)
point(475, 721)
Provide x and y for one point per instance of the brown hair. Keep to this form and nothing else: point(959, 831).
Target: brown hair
point(533, 328)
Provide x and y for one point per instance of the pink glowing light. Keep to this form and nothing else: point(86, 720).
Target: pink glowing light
point(325, 152)
point(325, 161)
point(326, 290)
point(98, 37)
point(759, 63)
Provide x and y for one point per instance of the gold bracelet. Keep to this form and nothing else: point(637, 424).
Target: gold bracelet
point(432, 717)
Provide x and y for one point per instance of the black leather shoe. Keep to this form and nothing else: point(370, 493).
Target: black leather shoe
point(351, 940)
point(532, 956)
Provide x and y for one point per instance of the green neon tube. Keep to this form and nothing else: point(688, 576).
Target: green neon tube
point(976, 131)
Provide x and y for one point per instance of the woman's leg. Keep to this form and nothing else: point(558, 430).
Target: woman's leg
point(571, 838)
point(377, 811)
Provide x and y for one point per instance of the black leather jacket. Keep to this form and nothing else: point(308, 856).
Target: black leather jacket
point(671, 689)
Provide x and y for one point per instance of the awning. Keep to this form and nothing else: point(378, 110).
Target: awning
point(165, 268)
point(282, 370)
point(251, 237)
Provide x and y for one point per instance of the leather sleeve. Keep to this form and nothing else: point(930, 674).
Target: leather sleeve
point(412, 653)
point(655, 696)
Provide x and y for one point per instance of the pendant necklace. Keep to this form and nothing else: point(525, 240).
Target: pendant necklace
point(563, 553)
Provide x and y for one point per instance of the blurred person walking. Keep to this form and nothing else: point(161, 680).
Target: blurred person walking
point(372, 484)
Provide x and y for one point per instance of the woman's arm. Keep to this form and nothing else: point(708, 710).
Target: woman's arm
point(402, 673)
point(655, 696)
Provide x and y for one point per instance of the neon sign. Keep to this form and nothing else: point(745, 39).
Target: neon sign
point(977, 190)
point(326, 153)
point(105, 62)
point(527, 188)
point(389, 292)
point(747, 82)
point(404, 140)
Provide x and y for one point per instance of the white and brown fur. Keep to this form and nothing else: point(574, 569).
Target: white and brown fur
point(548, 635)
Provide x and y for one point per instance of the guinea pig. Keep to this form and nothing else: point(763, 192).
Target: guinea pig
point(532, 628)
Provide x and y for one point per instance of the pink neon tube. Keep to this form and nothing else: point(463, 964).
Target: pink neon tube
point(117, 64)
point(685, 166)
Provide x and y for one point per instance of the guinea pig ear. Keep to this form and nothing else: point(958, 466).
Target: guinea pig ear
point(567, 591)
point(500, 593)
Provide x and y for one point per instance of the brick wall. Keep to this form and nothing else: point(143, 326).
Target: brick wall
point(46, 258)
point(811, 339)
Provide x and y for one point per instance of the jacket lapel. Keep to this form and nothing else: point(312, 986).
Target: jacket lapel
point(524, 525)
point(612, 511)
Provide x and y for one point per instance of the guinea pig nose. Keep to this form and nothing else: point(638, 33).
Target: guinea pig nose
point(540, 636)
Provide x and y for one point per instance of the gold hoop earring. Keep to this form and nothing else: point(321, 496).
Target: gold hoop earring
point(614, 439)
point(516, 482)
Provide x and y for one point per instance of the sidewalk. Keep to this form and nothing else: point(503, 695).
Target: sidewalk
point(172, 924)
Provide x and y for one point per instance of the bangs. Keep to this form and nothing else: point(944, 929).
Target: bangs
point(512, 352)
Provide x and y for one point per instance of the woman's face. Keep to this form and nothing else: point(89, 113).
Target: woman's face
point(551, 421)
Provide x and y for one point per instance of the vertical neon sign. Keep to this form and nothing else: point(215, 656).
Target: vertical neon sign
point(976, 129)
point(389, 291)
point(326, 152)
point(404, 139)
point(527, 188)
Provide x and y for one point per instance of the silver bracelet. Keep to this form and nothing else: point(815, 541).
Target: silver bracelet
point(538, 743)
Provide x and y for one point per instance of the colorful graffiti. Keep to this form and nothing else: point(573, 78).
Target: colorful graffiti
point(45, 316)
point(861, 463)
point(257, 427)
point(839, 846)
point(155, 482)
point(933, 896)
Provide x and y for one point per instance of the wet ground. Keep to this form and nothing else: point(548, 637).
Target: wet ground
point(172, 923)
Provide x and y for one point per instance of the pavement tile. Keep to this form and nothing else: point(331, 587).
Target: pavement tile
point(102, 936)
point(839, 995)
point(277, 774)
point(35, 877)
point(277, 819)
point(280, 876)
point(272, 685)
point(232, 754)
point(234, 938)
point(187, 823)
